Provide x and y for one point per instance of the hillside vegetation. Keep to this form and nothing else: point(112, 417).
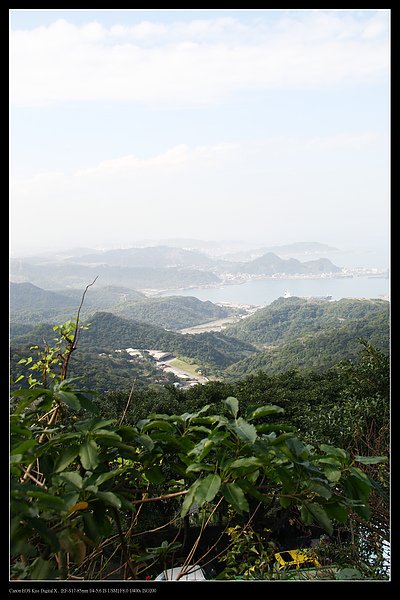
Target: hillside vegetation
point(290, 333)
point(30, 304)
point(108, 332)
point(286, 319)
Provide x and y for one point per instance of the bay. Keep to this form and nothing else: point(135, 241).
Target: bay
point(263, 292)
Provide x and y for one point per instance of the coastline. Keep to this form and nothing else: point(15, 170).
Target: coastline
point(345, 274)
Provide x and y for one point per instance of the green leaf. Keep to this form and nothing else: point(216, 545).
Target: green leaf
point(23, 447)
point(109, 498)
point(189, 498)
point(361, 481)
point(275, 427)
point(106, 434)
point(245, 431)
point(155, 475)
point(306, 516)
point(297, 447)
point(263, 411)
point(125, 450)
point(200, 429)
point(202, 410)
point(46, 534)
point(198, 467)
point(363, 511)
point(106, 476)
point(42, 569)
point(234, 495)
point(73, 478)
point(145, 441)
point(91, 528)
point(127, 433)
point(249, 461)
point(70, 498)
point(201, 449)
point(208, 489)
point(278, 441)
point(319, 515)
point(89, 455)
point(370, 460)
point(157, 424)
point(16, 459)
point(329, 461)
point(332, 473)
point(248, 488)
point(336, 511)
point(66, 458)
point(93, 424)
point(69, 398)
point(31, 394)
point(233, 405)
point(341, 454)
point(47, 500)
point(28, 396)
point(284, 501)
point(244, 464)
point(320, 489)
point(88, 404)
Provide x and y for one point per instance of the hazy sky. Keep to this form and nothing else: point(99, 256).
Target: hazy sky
point(268, 126)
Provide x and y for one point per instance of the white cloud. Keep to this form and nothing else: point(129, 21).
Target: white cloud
point(215, 191)
point(199, 62)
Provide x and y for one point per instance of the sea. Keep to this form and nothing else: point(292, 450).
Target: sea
point(263, 292)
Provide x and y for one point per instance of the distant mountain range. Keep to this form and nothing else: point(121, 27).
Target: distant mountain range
point(300, 248)
point(25, 296)
point(152, 268)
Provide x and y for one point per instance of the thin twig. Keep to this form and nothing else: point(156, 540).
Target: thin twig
point(196, 543)
point(74, 342)
point(124, 547)
point(158, 498)
point(127, 404)
point(27, 474)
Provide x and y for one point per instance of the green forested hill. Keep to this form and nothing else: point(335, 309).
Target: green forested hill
point(30, 304)
point(270, 263)
point(290, 333)
point(286, 319)
point(317, 350)
point(24, 296)
point(63, 274)
point(108, 332)
point(172, 312)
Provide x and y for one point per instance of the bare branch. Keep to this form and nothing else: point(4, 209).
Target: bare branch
point(73, 344)
point(158, 498)
point(127, 404)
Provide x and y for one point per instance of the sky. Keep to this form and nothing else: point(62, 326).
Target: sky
point(266, 126)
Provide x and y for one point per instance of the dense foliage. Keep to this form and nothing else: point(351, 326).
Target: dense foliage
point(303, 335)
point(107, 331)
point(317, 351)
point(287, 319)
point(83, 476)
